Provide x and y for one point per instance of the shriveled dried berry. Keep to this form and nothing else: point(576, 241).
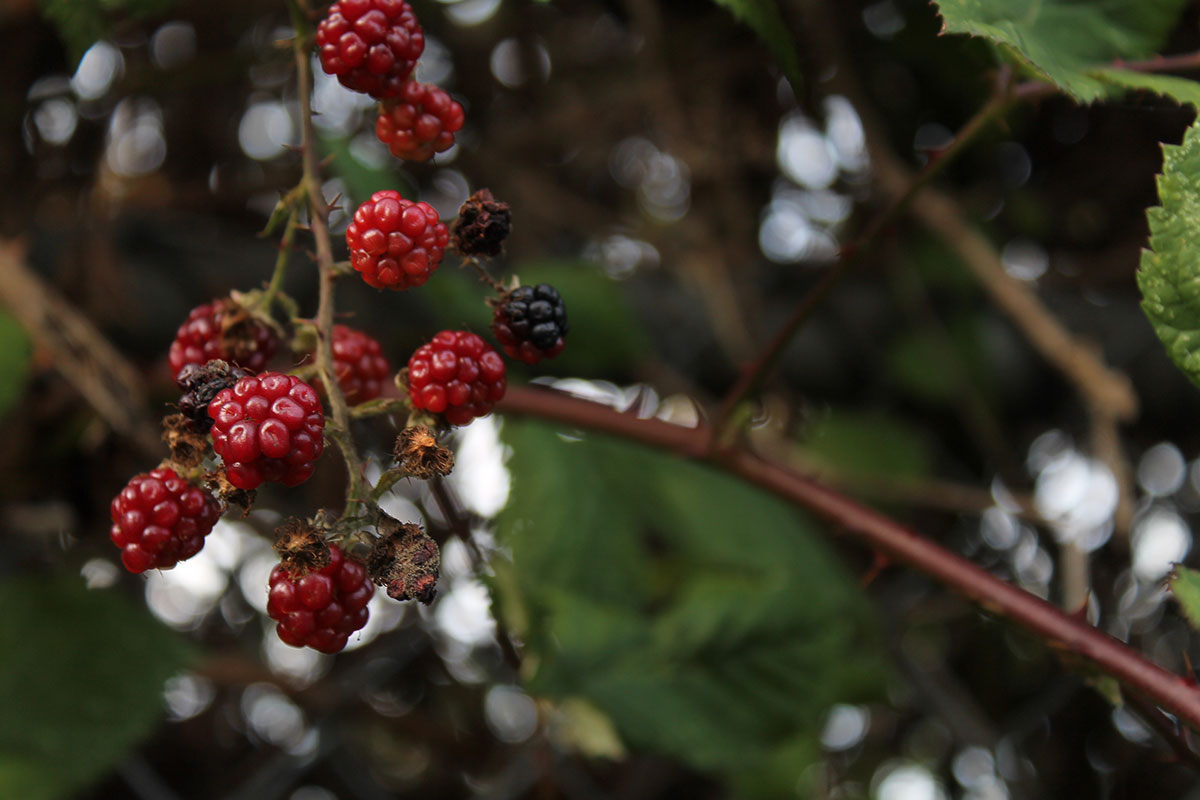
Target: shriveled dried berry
point(482, 226)
point(406, 561)
point(419, 454)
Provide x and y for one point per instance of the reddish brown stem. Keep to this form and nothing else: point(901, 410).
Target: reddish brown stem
point(1059, 630)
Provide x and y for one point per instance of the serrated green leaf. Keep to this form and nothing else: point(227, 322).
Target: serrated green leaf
point(706, 619)
point(1071, 44)
point(1181, 90)
point(1185, 588)
point(81, 684)
point(762, 16)
point(81, 23)
point(16, 352)
point(1169, 272)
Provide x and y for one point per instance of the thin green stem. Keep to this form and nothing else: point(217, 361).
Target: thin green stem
point(756, 371)
point(281, 261)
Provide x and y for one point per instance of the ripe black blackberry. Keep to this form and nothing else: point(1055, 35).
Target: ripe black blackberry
point(531, 323)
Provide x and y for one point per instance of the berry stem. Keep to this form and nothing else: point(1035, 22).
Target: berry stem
point(484, 275)
point(339, 432)
point(756, 371)
point(281, 261)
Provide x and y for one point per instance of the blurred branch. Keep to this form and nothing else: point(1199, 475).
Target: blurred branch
point(82, 354)
point(1057, 629)
point(756, 371)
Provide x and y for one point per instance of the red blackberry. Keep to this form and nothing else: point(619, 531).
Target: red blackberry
point(159, 519)
point(421, 122)
point(370, 45)
point(396, 243)
point(221, 329)
point(322, 608)
point(457, 375)
point(531, 323)
point(359, 363)
point(267, 428)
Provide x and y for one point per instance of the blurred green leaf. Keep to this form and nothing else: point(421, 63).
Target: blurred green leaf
point(81, 23)
point(762, 16)
point(919, 363)
point(708, 620)
point(1169, 273)
point(867, 445)
point(16, 352)
point(1185, 587)
point(1071, 44)
point(82, 682)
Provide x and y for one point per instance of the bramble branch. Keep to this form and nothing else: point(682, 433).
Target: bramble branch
point(1059, 630)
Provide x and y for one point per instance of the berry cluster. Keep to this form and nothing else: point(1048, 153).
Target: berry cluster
point(321, 609)
point(159, 519)
point(421, 122)
point(267, 428)
point(396, 243)
point(457, 375)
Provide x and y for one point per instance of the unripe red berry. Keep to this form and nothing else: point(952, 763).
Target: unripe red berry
point(159, 519)
point(421, 122)
point(358, 361)
point(457, 375)
point(370, 45)
point(267, 427)
point(321, 609)
point(221, 329)
point(396, 243)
